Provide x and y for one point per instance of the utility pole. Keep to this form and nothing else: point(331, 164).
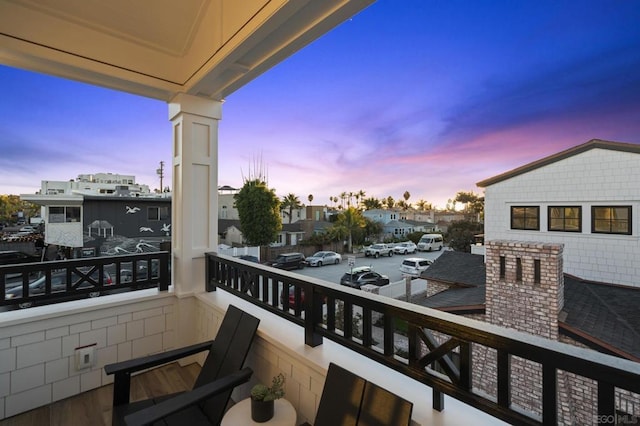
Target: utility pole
point(160, 173)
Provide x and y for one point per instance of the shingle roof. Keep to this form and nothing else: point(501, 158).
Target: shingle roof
point(592, 144)
point(456, 297)
point(607, 312)
point(457, 268)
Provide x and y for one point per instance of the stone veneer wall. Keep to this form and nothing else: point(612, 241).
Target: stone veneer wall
point(523, 304)
point(37, 354)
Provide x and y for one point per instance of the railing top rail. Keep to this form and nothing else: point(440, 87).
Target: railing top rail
point(536, 348)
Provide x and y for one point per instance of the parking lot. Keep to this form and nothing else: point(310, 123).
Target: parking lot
point(389, 266)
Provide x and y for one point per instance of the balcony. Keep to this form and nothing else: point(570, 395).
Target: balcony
point(426, 356)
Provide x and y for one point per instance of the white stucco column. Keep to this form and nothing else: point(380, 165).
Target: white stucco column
point(194, 201)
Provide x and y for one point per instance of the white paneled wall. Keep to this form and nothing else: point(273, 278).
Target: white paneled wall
point(37, 352)
point(595, 177)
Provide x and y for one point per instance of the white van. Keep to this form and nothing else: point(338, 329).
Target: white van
point(430, 242)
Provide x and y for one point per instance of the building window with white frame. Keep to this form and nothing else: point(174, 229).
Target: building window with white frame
point(64, 214)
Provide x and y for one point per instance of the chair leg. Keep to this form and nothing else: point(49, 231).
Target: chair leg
point(121, 388)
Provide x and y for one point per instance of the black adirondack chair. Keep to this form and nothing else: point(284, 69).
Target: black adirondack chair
point(206, 403)
point(349, 400)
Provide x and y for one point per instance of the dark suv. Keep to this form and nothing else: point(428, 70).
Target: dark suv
point(362, 275)
point(289, 261)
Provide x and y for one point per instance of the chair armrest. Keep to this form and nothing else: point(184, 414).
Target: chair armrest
point(181, 401)
point(143, 363)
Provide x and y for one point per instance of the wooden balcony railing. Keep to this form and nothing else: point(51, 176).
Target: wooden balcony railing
point(440, 348)
point(27, 284)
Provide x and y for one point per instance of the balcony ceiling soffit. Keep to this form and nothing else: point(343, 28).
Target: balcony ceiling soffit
point(158, 48)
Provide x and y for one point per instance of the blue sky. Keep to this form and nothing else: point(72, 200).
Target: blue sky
point(423, 96)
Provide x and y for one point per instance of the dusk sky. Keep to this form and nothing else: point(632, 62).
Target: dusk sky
point(423, 96)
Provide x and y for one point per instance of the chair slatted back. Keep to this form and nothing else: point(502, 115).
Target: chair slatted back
point(383, 408)
point(341, 398)
point(349, 400)
point(227, 355)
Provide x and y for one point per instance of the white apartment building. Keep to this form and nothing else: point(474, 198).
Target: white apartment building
point(95, 184)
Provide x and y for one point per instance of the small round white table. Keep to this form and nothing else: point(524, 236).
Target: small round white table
point(240, 414)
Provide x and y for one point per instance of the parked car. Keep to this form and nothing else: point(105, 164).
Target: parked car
point(324, 258)
point(414, 266)
point(58, 285)
point(405, 247)
point(289, 261)
point(249, 258)
point(17, 236)
point(12, 257)
point(362, 275)
point(377, 250)
point(430, 242)
point(29, 228)
point(292, 297)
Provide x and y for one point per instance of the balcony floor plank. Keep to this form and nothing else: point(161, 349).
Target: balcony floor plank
point(94, 407)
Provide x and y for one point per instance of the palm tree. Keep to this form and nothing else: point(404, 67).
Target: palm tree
point(389, 202)
point(371, 203)
point(310, 198)
point(343, 197)
point(289, 203)
point(347, 223)
point(359, 196)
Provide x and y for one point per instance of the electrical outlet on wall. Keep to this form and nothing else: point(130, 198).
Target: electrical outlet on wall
point(85, 356)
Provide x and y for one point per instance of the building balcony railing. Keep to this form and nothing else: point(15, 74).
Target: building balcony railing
point(25, 285)
point(446, 352)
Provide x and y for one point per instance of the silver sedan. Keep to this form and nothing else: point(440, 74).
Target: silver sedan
point(324, 258)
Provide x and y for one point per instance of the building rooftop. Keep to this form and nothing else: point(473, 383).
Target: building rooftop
point(601, 315)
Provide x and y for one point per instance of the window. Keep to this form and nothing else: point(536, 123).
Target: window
point(525, 217)
point(158, 213)
point(568, 219)
point(64, 214)
point(611, 220)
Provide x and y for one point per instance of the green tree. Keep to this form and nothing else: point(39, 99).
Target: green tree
point(348, 221)
point(289, 203)
point(424, 205)
point(473, 203)
point(10, 205)
point(371, 203)
point(389, 202)
point(360, 197)
point(259, 211)
point(460, 234)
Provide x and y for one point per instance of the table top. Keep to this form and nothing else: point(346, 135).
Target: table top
point(240, 414)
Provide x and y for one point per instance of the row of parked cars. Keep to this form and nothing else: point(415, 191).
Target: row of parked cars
point(291, 261)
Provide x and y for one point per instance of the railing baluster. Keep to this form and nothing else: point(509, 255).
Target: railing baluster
point(549, 395)
point(441, 334)
point(606, 403)
point(366, 327)
point(504, 384)
point(389, 332)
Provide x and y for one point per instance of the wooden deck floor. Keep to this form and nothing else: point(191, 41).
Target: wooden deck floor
point(94, 407)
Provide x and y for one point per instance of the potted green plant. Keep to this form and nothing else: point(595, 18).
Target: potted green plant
point(263, 397)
